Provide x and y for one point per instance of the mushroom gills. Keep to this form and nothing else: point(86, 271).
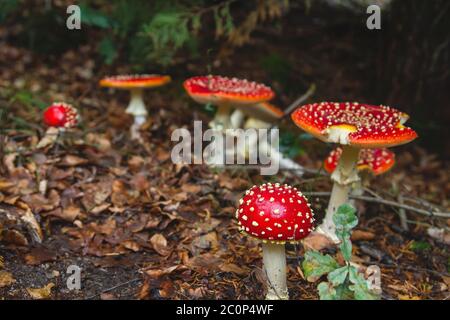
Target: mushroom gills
point(339, 133)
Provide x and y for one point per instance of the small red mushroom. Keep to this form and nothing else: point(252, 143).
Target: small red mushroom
point(59, 116)
point(376, 161)
point(275, 214)
point(226, 93)
point(354, 126)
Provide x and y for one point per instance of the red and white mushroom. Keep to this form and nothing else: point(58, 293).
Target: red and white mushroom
point(275, 214)
point(376, 161)
point(59, 116)
point(226, 93)
point(136, 84)
point(354, 126)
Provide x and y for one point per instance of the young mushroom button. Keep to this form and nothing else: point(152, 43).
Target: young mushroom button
point(376, 161)
point(275, 214)
point(60, 115)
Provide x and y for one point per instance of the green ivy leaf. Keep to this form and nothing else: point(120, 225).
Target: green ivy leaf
point(345, 220)
point(92, 17)
point(419, 246)
point(196, 23)
point(343, 292)
point(346, 248)
point(316, 264)
point(7, 7)
point(108, 50)
point(360, 287)
point(338, 276)
point(326, 291)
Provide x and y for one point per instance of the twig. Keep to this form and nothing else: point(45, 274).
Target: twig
point(402, 214)
point(304, 97)
point(386, 202)
point(115, 287)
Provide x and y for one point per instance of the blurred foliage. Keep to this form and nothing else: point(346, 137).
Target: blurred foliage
point(7, 7)
point(278, 68)
point(291, 144)
point(142, 31)
point(419, 246)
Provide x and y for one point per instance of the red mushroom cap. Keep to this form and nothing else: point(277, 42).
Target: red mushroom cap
point(217, 89)
point(61, 115)
point(367, 126)
point(134, 81)
point(275, 213)
point(377, 161)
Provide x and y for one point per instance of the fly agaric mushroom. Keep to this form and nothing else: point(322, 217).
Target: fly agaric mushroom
point(376, 161)
point(59, 116)
point(275, 214)
point(136, 84)
point(354, 126)
point(226, 93)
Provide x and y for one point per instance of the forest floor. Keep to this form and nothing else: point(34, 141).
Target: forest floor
point(142, 227)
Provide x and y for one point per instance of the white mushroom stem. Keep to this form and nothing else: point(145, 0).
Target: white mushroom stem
point(274, 264)
point(137, 108)
point(344, 175)
point(222, 118)
point(236, 119)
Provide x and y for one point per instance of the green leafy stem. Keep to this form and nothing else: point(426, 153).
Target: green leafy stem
point(343, 282)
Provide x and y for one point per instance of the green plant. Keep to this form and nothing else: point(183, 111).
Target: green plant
point(140, 32)
point(7, 7)
point(291, 144)
point(343, 282)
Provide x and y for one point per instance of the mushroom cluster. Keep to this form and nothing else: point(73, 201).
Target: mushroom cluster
point(275, 214)
point(354, 126)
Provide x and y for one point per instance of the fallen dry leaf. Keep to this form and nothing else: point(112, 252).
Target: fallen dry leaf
point(49, 139)
point(39, 255)
point(157, 273)
point(361, 235)
point(72, 161)
point(317, 241)
point(107, 296)
point(41, 293)
point(159, 243)
point(231, 267)
point(6, 279)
